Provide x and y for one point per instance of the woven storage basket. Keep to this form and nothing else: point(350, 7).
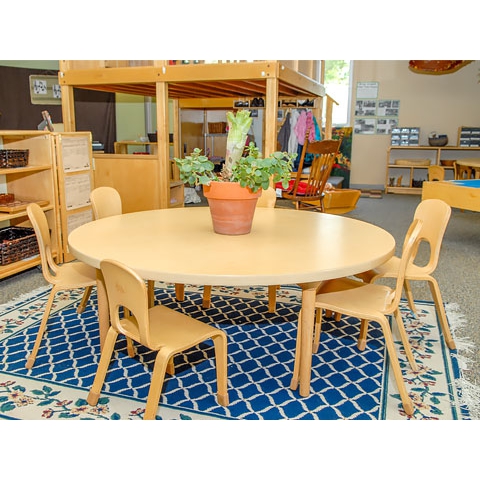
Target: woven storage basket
point(6, 198)
point(217, 127)
point(17, 243)
point(13, 158)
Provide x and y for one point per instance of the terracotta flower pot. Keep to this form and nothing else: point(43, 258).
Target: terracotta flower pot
point(232, 207)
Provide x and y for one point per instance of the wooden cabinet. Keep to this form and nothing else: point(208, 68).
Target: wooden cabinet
point(137, 180)
point(407, 167)
point(36, 182)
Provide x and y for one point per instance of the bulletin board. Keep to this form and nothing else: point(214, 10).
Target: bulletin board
point(373, 115)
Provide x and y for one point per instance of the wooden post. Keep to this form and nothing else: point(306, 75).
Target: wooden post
point(163, 144)
point(271, 112)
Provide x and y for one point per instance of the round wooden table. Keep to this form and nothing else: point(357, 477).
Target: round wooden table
point(284, 247)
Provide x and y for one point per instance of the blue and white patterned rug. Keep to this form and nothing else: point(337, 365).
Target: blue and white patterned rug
point(346, 383)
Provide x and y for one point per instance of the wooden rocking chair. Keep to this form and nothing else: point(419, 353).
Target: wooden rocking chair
point(308, 188)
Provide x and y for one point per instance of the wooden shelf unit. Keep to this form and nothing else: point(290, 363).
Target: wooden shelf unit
point(34, 182)
point(409, 173)
point(209, 85)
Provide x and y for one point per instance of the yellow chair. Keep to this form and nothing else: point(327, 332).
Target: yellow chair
point(372, 302)
point(436, 173)
point(106, 202)
point(158, 328)
point(435, 215)
point(463, 172)
point(338, 202)
point(68, 276)
point(268, 199)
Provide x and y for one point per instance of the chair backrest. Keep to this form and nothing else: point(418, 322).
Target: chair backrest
point(323, 155)
point(341, 201)
point(268, 198)
point(436, 173)
point(106, 202)
point(42, 231)
point(409, 247)
point(435, 215)
point(127, 289)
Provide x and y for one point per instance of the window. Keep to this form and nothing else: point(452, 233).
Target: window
point(337, 85)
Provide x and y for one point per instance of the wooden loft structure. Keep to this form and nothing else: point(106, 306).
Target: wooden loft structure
point(215, 85)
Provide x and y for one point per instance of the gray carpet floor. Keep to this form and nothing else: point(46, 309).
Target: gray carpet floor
point(457, 272)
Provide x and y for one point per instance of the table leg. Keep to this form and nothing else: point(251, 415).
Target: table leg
point(102, 305)
point(303, 355)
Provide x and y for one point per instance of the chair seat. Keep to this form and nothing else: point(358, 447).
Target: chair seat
point(301, 190)
point(172, 328)
point(76, 275)
point(351, 297)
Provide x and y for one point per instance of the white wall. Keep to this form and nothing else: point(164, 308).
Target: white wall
point(440, 103)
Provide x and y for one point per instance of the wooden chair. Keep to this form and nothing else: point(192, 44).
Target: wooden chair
point(158, 328)
point(308, 189)
point(435, 215)
point(268, 199)
point(341, 201)
point(68, 276)
point(436, 173)
point(463, 172)
point(372, 302)
point(106, 202)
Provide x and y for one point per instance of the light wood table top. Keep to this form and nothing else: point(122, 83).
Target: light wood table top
point(284, 247)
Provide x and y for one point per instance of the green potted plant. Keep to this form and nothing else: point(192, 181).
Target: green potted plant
point(232, 193)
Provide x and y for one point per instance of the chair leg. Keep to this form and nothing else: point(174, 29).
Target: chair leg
point(207, 296)
point(130, 347)
point(362, 338)
point(180, 292)
point(404, 337)
point(156, 383)
point(409, 295)
point(442, 316)
point(102, 368)
point(298, 354)
point(41, 330)
point(151, 293)
point(220, 345)
point(317, 330)
point(171, 367)
point(397, 372)
point(83, 303)
point(272, 298)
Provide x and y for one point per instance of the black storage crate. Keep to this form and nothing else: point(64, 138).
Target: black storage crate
point(17, 243)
